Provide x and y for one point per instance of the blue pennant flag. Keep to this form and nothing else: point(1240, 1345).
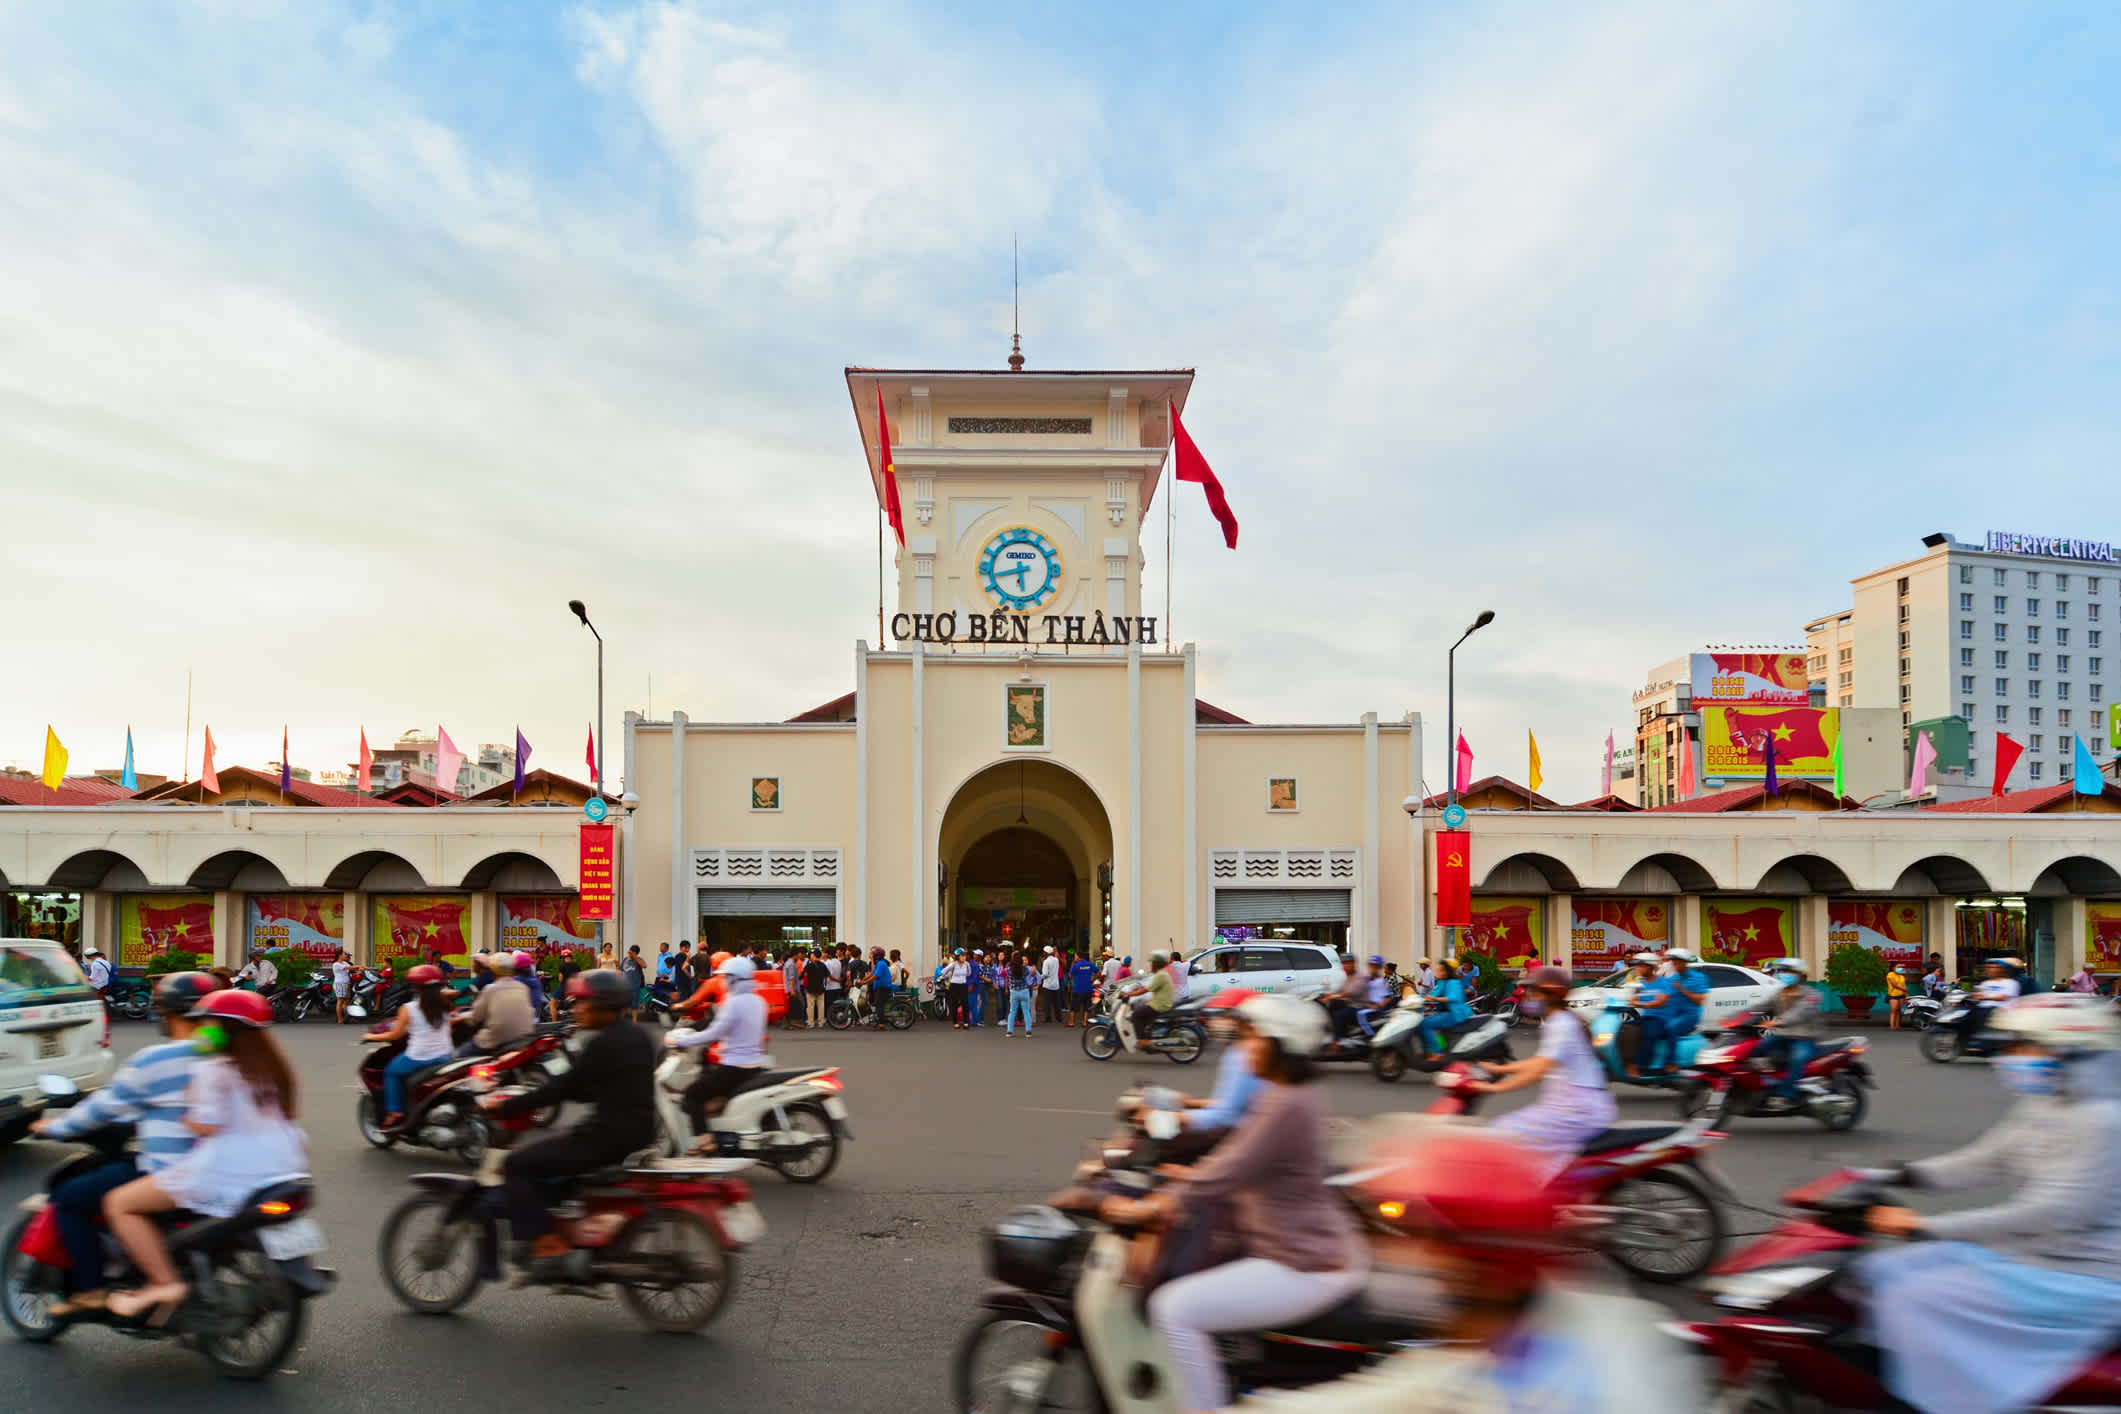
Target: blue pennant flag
point(129, 780)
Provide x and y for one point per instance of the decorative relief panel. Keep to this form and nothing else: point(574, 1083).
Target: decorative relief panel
point(1064, 426)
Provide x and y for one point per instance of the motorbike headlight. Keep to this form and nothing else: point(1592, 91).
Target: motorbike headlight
point(1715, 1055)
point(1755, 1291)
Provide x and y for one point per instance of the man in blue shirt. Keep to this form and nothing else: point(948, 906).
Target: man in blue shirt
point(1082, 980)
point(152, 1092)
point(1671, 1008)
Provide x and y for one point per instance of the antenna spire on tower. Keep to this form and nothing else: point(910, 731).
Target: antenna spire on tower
point(1016, 313)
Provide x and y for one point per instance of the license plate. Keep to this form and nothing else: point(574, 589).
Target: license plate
point(743, 1223)
point(286, 1241)
point(50, 1045)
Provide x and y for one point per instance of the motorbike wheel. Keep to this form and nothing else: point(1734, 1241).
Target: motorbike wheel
point(1195, 1041)
point(139, 1004)
point(29, 1289)
point(1694, 1099)
point(902, 1016)
point(1849, 1087)
point(1941, 1046)
point(839, 1016)
point(369, 1121)
point(283, 1007)
point(695, 1276)
point(430, 1264)
point(259, 1320)
point(1672, 1230)
point(813, 1126)
point(1005, 1363)
point(1921, 1020)
point(534, 1076)
point(1100, 1040)
point(1387, 1063)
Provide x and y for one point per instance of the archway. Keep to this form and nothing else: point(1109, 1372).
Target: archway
point(1026, 848)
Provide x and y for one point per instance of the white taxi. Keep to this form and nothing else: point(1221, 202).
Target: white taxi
point(51, 1023)
point(1732, 991)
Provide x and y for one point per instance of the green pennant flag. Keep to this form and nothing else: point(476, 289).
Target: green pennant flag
point(1840, 777)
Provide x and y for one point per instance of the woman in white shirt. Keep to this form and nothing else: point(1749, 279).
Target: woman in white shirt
point(423, 1025)
point(1574, 1105)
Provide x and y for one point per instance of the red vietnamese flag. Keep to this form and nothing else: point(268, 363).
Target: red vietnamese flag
point(188, 925)
point(2105, 942)
point(2007, 754)
point(1754, 934)
point(1454, 878)
point(1504, 933)
point(1192, 466)
point(592, 757)
point(892, 508)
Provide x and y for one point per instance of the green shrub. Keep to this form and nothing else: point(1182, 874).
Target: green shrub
point(1491, 971)
point(175, 960)
point(296, 966)
point(1855, 970)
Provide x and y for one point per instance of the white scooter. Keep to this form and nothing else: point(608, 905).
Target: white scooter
point(790, 1120)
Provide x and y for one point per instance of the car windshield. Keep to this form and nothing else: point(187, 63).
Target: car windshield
point(37, 972)
point(1611, 979)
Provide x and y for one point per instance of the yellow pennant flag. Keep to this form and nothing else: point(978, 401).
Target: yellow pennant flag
point(54, 760)
point(1536, 777)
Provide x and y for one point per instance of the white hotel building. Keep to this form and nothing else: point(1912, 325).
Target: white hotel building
point(2010, 632)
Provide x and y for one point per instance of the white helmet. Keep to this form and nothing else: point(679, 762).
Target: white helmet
point(1299, 1025)
point(1647, 959)
point(739, 969)
point(1686, 953)
point(2062, 1021)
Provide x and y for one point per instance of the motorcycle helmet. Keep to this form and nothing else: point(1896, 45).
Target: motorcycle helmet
point(1550, 976)
point(1230, 997)
point(179, 993)
point(524, 962)
point(236, 1007)
point(2063, 1022)
point(1481, 1195)
point(425, 975)
point(714, 964)
point(602, 986)
point(1298, 1026)
point(738, 969)
point(1158, 960)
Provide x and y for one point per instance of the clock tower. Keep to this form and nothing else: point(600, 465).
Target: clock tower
point(1023, 495)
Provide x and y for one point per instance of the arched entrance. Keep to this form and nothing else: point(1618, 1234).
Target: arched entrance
point(1026, 852)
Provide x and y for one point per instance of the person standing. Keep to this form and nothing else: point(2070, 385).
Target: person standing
point(1049, 985)
point(1110, 968)
point(1895, 996)
point(636, 970)
point(815, 976)
point(1020, 977)
point(341, 982)
point(882, 982)
point(792, 981)
point(1082, 980)
point(835, 961)
point(1180, 974)
point(664, 962)
point(681, 979)
point(99, 972)
point(975, 987)
point(957, 987)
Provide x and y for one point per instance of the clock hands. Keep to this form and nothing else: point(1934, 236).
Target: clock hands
point(1021, 571)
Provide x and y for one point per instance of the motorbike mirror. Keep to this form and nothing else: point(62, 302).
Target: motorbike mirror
point(57, 1087)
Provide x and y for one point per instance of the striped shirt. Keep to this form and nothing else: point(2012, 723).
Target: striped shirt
point(152, 1092)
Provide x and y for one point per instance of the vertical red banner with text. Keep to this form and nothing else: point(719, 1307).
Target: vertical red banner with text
point(1454, 879)
point(597, 872)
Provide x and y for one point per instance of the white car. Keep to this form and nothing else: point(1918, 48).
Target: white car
point(1264, 965)
point(51, 1023)
point(1732, 990)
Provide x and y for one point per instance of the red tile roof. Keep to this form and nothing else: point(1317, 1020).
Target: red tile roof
point(1750, 798)
point(299, 793)
point(2038, 800)
point(540, 784)
point(73, 790)
point(1533, 799)
point(1610, 804)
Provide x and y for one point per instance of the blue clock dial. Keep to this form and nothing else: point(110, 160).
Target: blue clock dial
point(1020, 569)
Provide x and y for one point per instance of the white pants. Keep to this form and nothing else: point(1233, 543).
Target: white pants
point(1238, 1296)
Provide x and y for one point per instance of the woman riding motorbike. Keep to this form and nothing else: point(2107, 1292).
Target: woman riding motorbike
point(1574, 1105)
point(2011, 1299)
point(1450, 989)
point(1302, 1252)
point(423, 1025)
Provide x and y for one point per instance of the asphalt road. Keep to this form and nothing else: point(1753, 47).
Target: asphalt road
point(857, 1296)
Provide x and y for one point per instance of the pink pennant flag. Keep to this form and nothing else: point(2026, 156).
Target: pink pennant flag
point(1925, 757)
point(1686, 764)
point(1465, 764)
point(365, 765)
point(209, 778)
point(1606, 785)
point(447, 761)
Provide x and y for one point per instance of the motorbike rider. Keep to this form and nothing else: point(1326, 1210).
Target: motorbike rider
point(260, 974)
point(615, 1075)
point(1350, 998)
point(2007, 1301)
point(502, 1014)
point(1380, 995)
point(739, 1026)
point(1996, 991)
point(1158, 995)
point(1670, 1007)
point(1512, 1331)
point(152, 1093)
point(1450, 989)
point(423, 1025)
point(1204, 1122)
point(1574, 1105)
point(1302, 1254)
point(1792, 1028)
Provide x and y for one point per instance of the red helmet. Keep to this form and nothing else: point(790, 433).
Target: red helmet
point(1230, 997)
point(242, 1008)
point(425, 975)
point(1482, 1194)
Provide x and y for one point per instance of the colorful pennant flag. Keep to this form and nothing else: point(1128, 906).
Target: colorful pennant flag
point(2086, 777)
point(448, 761)
point(1192, 466)
point(1686, 764)
point(522, 759)
point(892, 508)
point(1535, 777)
point(287, 770)
point(1840, 773)
point(129, 780)
point(209, 778)
point(1925, 757)
point(54, 760)
point(1768, 782)
point(365, 766)
point(2007, 754)
point(1605, 781)
point(1464, 764)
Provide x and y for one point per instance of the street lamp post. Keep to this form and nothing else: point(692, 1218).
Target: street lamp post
point(583, 614)
point(1450, 707)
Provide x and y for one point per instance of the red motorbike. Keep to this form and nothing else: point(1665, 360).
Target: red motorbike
point(1738, 1079)
point(664, 1231)
point(441, 1106)
point(1792, 1338)
point(1648, 1188)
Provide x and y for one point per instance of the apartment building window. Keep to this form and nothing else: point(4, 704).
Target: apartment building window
point(2032, 662)
point(2032, 633)
point(1846, 701)
point(1845, 656)
point(1818, 664)
point(2034, 770)
point(2098, 746)
point(1906, 716)
point(2032, 717)
point(2061, 581)
point(2003, 713)
point(1966, 657)
point(2062, 638)
point(2062, 716)
point(2001, 578)
point(2032, 608)
point(2062, 608)
point(1966, 682)
point(2003, 605)
point(1966, 574)
point(1903, 640)
point(1903, 613)
point(2093, 665)
point(1903, 586)
point(1966, 603)
point(2091, 638)
point(2003, 657)
point(2062, 662)
point(1905, 693)
point(2096, 692)
point(1845, 679)
point(2033, 742)
point(2091, 611)
point(2003, 633)
point(2062, 691)
point(2032, 579)
point(2032, 687)
point(2091, 584)
point(1966, 710)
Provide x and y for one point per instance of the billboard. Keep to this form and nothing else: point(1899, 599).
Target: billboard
point(315, 923)
point(1606, 932)
point(1770, 679)
point(1751, 930)
point(2102, 936)
point(1894, 927)
point(420, 925)
point(1734, 742)
point(152, 924)
point(1510, 930)
point(545, 924)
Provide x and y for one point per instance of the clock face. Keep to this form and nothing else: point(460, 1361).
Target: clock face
point(1021, 569)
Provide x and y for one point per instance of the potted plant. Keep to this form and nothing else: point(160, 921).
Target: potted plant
point(1857, 975)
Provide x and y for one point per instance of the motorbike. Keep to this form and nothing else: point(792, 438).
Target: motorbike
point(664, 1231)
point(1921, 1010)
point(1502, 1002)
point(793, 1121)
point(1649, 1190)
point(130, 997)
point(1397, 1047)
point(1737, 1080)
point(1792, 1333)
point(299, 1003)
point(441, 1104)
point(1177, 1034)
point(1942, 1043)
point(1616, 1038)
point(250, 1273)
point(842, 1012)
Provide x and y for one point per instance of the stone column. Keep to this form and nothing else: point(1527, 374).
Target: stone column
point(1686, 923)
point(1811, 933)
point(1940, 933)
point(359, 921)
point(1560, 926)
point(99, 924)
point(2072, 923)
point(483, 930)
point(228, 928)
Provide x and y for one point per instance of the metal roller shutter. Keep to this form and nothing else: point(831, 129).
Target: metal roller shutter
point(1233, 906)
point(767, 903)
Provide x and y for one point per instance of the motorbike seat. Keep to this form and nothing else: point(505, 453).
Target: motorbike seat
point(1622, 1136)
point(190, 1229)
point(1833, 1047)
point(766, 1078)
point(1352, 1322)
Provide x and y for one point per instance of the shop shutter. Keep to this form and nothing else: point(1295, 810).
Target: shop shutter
point(1234, 906)
point(767, 903)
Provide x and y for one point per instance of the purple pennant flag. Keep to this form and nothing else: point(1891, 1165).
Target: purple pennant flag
point(1773, 786)
point(522, 756)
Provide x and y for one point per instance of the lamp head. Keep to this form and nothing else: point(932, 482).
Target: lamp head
point(582, 613)
point(1487, 616)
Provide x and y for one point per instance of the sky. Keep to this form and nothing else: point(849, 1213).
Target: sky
point(342, 344)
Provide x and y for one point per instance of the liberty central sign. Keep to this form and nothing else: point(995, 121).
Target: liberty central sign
point(2003, 542)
